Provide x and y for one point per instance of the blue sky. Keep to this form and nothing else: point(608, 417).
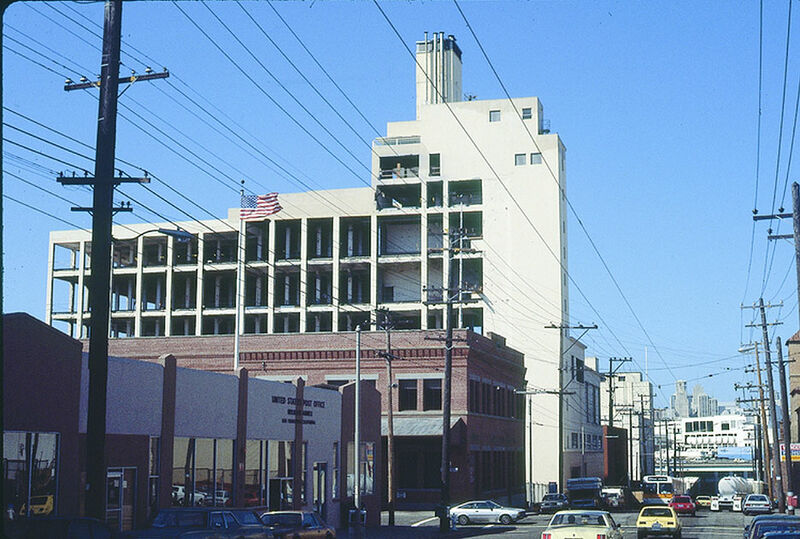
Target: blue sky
point(657, 104)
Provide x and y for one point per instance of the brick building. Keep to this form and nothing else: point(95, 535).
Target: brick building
point(487, 425)
point(176, 435)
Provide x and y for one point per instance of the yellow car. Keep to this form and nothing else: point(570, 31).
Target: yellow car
point(703, 501)
point(658, 520)
point(40, 505)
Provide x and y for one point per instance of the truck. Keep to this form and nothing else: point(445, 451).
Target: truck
point(731, 490)
point(585, 492)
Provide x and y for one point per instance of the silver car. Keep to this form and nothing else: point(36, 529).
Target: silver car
point(485, 511)
point(553, 502)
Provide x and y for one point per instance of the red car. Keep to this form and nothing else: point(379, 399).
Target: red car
point(683, 505)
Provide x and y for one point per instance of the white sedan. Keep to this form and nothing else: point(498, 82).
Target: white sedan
point(485, 511)
point(582, 525)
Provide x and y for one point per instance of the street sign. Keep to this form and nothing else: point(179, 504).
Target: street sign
point(795, 448)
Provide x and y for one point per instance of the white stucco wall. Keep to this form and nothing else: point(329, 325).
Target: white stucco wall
point(206, 404)
point(134, 396)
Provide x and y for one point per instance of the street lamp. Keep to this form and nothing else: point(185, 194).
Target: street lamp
point(179, 234)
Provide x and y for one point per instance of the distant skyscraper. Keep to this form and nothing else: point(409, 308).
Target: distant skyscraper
point(680, 400)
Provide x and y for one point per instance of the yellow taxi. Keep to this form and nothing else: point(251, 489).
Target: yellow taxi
point(657, 520)
point(40, 505)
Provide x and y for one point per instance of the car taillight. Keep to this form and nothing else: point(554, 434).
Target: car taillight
point(547, 536)
point(601, 536)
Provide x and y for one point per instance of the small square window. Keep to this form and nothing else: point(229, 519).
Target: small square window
point(494, 115)
point(536, 159)
point(526, 113)
point(519, 159)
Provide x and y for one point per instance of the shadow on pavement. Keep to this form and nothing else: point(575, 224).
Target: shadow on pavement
point(429, 531)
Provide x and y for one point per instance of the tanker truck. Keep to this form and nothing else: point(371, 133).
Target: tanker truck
point(731, 491)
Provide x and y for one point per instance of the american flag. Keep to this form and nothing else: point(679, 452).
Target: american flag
point(257, 207)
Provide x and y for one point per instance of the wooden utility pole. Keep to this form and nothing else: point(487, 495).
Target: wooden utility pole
point(387, 326)
point(766, 451)
point(776, 465)
point(787, 462)
point(102, 210)
point(611, 372)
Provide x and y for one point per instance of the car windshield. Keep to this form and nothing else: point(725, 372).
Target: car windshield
point(291, 520)
point(246, 517)
point(180, 519)
point(493, 505)
point(551, 497)
point(578, 519)
point(682, 499)
point(656, 512)
point(756, 498)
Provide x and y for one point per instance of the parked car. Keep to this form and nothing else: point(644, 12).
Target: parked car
point(755, 504)
point(703, 502)
point(221, 498)
point(781, 535)
point(683, 505)
point(485, 511)
point(296, 524)
point(179, 495)
point(764, 524)
point(204, 522)
point(582, 523)
point(56, 527)
point(40, 506)
point(613, 497)
point(658, 520)
point(554, 502)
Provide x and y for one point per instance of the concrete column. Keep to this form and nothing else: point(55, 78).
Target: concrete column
point(297, 460)
point(260, 242)
point(336, 254)
point(79, 304)
point(271, 278)
point(241, 439)
point(48, 311)
point(373, 277)
point(167, 438)
point(169, 287)
point(198, 317)
point(303, 284)
point(137, 330)
point(423, 272)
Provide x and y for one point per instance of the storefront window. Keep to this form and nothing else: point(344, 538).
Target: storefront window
point(203, 473)
point(153, 479)
point(30, 466)
point(367, 464)
point(253, 475)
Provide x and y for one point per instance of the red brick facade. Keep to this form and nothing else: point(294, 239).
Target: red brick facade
point(488, 434)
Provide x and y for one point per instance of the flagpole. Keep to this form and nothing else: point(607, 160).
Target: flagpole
point(240, 252)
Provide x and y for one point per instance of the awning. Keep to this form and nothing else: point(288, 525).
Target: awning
point(416, 426)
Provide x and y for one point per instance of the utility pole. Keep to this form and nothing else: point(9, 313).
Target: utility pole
point(642, 440)
point(771, 388)
point(563, 328)
point(765, 458)
point(451, 294)
point(387, 326)
point(666, 436)
point(795, 235)
point(611, 372)
point(102, 210)
point(357, 436)
point(787, 462)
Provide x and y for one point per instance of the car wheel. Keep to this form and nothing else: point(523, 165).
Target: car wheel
point(463, 520)
point(328, 536)
point(505, 520)
point(677, 535)
point(640, 534)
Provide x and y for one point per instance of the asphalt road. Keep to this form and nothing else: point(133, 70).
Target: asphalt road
point(705, 525)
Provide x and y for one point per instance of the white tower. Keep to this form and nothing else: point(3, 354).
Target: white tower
point(438, 70)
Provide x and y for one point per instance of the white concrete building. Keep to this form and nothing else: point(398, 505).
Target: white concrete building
point(704, 437)
point(633, 411)
point(583, 441)
point(330, 258)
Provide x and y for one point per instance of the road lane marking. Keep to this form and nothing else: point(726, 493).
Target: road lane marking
point(421, 522)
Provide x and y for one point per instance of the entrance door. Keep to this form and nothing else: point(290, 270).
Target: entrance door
point(120, 498)
point(321, 488)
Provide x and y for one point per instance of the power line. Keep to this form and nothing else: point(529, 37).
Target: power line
point(562, 191)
